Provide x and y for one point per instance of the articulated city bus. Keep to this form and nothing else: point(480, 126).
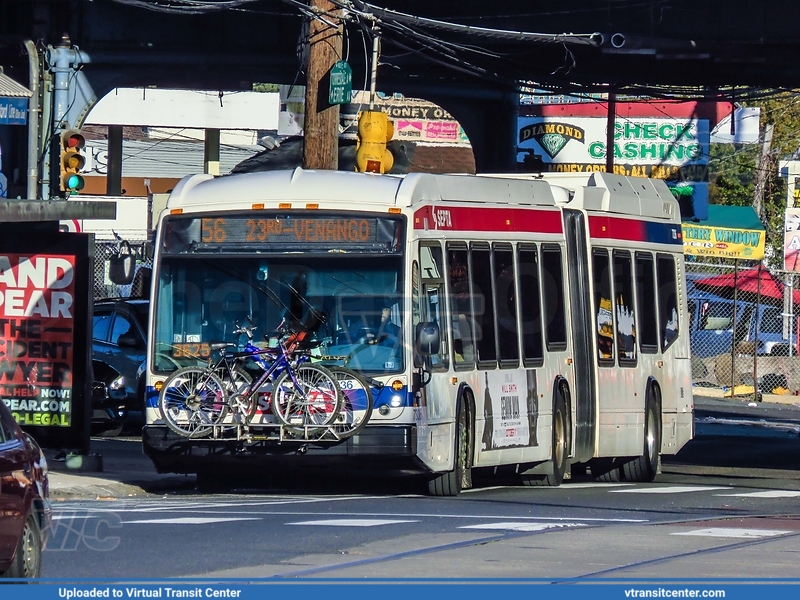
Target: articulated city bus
point(531, 325)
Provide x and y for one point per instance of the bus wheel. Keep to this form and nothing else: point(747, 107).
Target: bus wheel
point(645, 467)
point(452, 482)
point(560, 450)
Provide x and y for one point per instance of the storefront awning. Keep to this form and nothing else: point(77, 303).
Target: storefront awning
point(729, 232)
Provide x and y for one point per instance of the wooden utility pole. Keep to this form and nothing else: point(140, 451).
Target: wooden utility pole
point(321, 126)
point(762, 172)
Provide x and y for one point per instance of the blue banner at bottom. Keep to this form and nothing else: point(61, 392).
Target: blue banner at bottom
point(776, 589)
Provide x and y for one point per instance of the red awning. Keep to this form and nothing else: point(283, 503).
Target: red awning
point(747, 282)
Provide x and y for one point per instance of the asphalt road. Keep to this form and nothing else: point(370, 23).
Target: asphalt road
point(725, 506)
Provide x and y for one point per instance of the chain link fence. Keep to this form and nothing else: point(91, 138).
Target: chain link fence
point(743, 329)
point(104, 288)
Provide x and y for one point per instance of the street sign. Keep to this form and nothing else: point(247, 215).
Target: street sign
point(341, 83)
point(14, 111)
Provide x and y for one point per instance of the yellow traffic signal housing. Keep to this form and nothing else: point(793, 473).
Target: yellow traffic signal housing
point(374, 130)
point(72, 161)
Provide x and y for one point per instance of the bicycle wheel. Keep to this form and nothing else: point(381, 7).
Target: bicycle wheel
point(192, 401)
point(356, 406)
point(312, 404)
point(242, 405)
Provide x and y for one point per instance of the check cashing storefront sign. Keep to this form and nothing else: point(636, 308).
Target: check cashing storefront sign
point(675, 150)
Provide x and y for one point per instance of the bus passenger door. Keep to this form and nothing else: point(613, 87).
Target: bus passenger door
point(582, 320)
point(432, 310)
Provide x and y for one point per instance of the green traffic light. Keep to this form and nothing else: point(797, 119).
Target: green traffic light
point(74, 183)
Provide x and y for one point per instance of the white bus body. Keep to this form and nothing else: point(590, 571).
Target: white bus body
point(558, 304)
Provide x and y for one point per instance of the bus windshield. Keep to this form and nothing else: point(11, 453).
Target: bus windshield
point(352, 305)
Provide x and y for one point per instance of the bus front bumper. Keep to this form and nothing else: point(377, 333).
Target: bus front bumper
point(387, 445)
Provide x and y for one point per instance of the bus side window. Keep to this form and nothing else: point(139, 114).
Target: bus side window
point(506, 303)
point(667, 300)
point(483, 296)
point(646, 300)
point(553, 281)
point(602, 308)
point(530, 306)
point(626, 316)
point(460, 306)
point(433, 298)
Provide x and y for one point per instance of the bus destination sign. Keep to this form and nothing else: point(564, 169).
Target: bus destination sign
point(244, 232)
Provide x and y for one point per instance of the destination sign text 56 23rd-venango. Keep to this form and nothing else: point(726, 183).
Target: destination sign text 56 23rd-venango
point(246, 232)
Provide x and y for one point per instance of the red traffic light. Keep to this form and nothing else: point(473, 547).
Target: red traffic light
point(73, 140)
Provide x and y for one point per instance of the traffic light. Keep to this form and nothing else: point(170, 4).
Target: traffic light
point(72, 161)
point(374, 130)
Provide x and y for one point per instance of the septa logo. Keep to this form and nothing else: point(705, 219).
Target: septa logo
point(552, 136)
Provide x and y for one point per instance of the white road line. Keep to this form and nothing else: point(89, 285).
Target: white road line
point(730, 532)
point(183, 505)
point(589, 484)
point(73, 516)
point(193, 520)
point(566, 486)
point(523, 526)
point(352, 522)
point(767, 494)
point(676, 489)
point(361, 515)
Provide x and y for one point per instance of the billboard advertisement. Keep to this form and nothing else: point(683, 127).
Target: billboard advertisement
point(45, 334)
point(37, 294)
point(723, 242)
point(791, 241)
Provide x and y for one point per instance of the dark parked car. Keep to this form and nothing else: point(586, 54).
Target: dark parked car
point(119, 334)
point(25, 511)
point(109, 403)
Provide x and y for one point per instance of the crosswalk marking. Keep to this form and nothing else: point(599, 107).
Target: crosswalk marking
point(767, 494)
point(732, 532)
point(523, 526)
point(675, 489)
point(193, 520)
point(353, 522)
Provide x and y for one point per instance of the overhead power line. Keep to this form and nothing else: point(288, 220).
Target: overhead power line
point(589, 39)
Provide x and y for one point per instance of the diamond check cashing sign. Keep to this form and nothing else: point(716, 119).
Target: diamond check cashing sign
point(36, 337)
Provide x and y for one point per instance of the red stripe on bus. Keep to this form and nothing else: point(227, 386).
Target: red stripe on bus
point(453, 218)
point(618, 229)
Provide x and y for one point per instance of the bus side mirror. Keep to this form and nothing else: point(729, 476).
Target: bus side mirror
point(427, 339)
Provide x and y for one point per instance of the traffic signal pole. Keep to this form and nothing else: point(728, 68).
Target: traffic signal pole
point(321, 128)
point(63, 61)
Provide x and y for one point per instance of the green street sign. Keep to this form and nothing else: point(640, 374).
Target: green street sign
point(341, 83)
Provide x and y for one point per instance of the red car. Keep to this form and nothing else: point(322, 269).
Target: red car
point(25, 510)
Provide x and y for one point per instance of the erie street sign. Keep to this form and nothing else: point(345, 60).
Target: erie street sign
point(341, 83)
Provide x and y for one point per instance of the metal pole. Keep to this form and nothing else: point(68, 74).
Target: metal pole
point(33, 121)
point(756, 394)
point(373, 77)
point(733, 337)
point(610, 121)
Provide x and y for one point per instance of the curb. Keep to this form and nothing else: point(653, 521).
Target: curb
point(719, 394)
point(109, 491)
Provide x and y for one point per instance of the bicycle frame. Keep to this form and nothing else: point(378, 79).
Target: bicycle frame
point(270, 369)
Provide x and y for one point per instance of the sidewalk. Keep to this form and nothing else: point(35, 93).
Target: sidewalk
point(126, 472)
